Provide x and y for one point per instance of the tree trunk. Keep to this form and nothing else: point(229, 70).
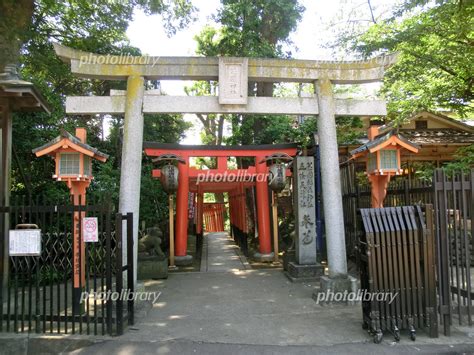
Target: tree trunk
point(15, 20)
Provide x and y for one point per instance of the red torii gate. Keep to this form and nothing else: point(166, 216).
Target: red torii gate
point(222, 179)
point(213, 216)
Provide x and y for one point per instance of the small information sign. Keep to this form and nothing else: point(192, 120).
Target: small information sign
point(90, 229)
point(25, 242)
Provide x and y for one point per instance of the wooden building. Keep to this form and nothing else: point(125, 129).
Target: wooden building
point(437, 135)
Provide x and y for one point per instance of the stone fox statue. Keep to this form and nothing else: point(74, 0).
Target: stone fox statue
point(150, 243)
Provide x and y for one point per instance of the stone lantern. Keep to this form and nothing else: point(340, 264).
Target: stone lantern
point(383, 161)
point(73, 158)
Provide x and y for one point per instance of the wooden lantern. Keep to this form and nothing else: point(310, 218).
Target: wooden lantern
point(383, 161)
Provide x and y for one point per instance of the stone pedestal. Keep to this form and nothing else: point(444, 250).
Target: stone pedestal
point(152, 268)
point(335, 289)
point(184, 260)
point(264, 257)
point(297, 272)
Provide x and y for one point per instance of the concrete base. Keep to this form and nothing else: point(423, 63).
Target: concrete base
point(298, 273)
point(264, 258)
point(328, 286)
point(183, 260)
point(152, 268)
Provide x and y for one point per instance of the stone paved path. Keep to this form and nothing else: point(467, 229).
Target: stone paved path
point(220, 254)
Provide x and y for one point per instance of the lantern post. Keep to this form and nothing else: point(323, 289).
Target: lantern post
point(169, 179)
point(73, 158)
point(276, 182)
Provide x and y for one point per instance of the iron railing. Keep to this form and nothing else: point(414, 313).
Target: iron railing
point(37, 292)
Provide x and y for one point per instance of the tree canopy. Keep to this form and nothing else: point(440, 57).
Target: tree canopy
point(95, 26)
point(435, 70)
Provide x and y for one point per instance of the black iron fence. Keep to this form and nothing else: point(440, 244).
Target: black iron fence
point(48, 292)
point(401, 191)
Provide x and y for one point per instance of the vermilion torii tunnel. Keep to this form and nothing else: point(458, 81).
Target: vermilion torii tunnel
point(214, 217)
point(235, 182)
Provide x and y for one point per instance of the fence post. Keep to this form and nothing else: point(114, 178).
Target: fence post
point(439, 178)
point(119, 272)
point(108, 268)
point(406, 184)
point(431, 309)
point(130, 269)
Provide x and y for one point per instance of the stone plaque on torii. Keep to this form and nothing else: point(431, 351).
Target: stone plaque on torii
point(136, 102)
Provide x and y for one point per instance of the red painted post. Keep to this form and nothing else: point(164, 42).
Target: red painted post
point(199, 213)
point(78, 192)
point(263, 208)
point(221, 213)
point(213, 218)
point(230, 207)
point(182, 209)
point(243, 208)
point(238, 211)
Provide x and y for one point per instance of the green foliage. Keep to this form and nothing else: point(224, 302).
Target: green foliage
point(251, 28)
point(99, 27)
point(349, 129)
point(435, 67)
point(464, 160)
point(423, 170)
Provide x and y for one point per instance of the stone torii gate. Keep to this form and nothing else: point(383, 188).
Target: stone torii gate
point(233, 75)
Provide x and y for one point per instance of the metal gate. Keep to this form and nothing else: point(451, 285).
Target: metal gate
point(454, 203)
point(397, 258)
point(37, 292)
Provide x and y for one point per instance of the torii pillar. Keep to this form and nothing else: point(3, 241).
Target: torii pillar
point(131, 169)
point(332, 195)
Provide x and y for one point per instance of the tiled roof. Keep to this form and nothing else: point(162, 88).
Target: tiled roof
point(439, 136)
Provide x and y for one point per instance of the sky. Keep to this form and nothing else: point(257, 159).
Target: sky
point(314, 31)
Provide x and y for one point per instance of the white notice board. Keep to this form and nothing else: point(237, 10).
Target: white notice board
point(24, 242)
